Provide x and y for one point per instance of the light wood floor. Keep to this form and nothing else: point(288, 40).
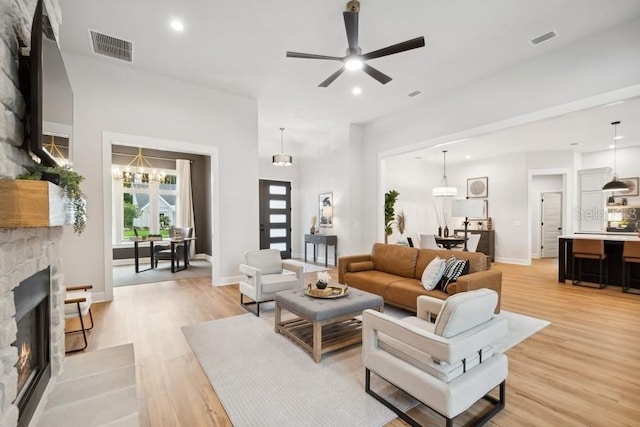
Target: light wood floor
point(580, 370)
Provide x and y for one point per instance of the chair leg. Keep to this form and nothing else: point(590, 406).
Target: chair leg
point(82, 329)
point(246, 306)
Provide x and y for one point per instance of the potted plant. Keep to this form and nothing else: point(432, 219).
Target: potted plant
point(69, 181)
point(390, 198)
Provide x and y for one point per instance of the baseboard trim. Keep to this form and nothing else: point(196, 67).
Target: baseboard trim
point(516, 261)
point(231, 280)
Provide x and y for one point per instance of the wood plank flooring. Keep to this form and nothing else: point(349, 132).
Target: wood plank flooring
point(581, 370)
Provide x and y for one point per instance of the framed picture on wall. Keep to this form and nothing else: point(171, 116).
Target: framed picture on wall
point(632, 183)
point(478, 187)
point(325, 209)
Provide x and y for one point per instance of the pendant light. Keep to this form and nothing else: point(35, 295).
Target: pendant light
point(282, 159)
point(444, 190)
point(614, 184)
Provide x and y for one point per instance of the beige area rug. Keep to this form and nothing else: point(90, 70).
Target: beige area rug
point(264, 379)
point(125, 275)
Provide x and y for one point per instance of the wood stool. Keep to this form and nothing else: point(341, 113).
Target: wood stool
point(589, 249)
point(630, 254)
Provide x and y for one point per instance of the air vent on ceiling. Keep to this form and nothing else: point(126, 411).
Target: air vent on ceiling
point(414, 93)
point(112, 47)
point(543, 38)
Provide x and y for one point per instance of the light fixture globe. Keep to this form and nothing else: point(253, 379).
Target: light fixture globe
point(614, 184)
point(444, 190)
point(354, 63)
point(281, 159)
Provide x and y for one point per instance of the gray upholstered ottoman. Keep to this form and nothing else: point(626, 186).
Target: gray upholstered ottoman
point(324, 325)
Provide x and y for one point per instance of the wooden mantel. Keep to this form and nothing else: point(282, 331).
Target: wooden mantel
point(29, 203)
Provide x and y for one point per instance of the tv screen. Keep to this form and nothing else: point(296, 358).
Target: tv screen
point(31, 85)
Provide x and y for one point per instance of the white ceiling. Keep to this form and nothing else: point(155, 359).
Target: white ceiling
point(240, 47)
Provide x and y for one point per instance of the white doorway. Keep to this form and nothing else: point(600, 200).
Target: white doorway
point(550, 223)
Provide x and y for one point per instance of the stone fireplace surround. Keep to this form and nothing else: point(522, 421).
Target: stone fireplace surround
point(23, 251)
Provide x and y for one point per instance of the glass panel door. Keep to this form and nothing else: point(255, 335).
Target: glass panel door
point(275, 216)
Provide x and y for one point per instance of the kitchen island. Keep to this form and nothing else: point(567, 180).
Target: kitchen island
point(613, 244)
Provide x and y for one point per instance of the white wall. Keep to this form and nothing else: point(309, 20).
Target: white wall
point(539, 88)
point(627, 165)
point(115, 98)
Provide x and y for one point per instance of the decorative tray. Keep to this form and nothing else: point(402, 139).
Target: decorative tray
point(331, 291)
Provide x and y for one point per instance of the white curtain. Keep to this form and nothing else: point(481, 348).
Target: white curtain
point(184, 204)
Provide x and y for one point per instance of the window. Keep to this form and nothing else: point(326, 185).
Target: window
point(144, 205)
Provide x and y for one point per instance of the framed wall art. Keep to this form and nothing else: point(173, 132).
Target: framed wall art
point(478, 187)
point(632, 183)
point(325, 207)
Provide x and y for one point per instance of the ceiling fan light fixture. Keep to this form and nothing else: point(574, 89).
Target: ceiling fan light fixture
point(353, 64)
point(281, 159)
point(614, 184)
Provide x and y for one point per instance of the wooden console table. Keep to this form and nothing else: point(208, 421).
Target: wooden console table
point(487, 244)
point(322, 239)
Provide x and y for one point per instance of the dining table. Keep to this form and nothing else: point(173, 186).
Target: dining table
point(449, 241)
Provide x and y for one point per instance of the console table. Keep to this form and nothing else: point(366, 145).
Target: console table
point(322, 239)
point(487, 244)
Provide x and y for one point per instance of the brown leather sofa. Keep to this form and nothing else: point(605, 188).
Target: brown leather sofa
point(395, 272)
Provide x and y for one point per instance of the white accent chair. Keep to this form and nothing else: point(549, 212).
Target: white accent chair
point(428, 241)
point(472, 243)
point(443, 357)
point(77, 303)
point(264, 277)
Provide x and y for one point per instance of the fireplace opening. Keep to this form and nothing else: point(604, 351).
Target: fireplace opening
point(32, 341)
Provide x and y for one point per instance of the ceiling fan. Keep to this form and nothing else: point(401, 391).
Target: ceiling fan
point(354, 60)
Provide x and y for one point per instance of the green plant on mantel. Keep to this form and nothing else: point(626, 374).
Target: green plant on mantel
point(390, 198)
point(69, 181)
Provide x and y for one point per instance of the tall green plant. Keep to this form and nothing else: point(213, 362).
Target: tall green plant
point(390, 198)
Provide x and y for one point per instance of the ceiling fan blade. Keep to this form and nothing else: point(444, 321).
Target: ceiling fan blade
point(311, 56)
point(351, 25)
point(379, 76)
point(396, 48)
point(331, 78)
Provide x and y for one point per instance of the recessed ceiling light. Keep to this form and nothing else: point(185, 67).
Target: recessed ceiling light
point(356, 90)
point(177, 25)
point(575, 143)
point(418, 157)
point(618, 137)
point(414, 93)
point(611, 147)
point(468, 156)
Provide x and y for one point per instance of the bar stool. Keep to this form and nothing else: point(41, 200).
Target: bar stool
point(631, 255)
point(589, 249)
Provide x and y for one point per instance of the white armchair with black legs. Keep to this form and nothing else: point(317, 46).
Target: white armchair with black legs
point(443, 356)
point(265, 275)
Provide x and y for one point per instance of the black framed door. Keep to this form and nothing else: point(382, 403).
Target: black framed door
point(275, 216)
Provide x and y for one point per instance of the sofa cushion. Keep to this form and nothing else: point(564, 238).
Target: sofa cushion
point(477, 260)
point(454, 268)
point(404, 293)
point(373, 281)
point(464, 311)
point(268, 261)
point(433, 273)
point(354, 267)
point(395, 259)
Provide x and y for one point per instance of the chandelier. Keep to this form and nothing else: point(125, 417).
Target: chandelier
point(282, 159)
point(444, 190)
point(137, 168)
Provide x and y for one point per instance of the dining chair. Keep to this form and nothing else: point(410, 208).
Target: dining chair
point(428, 241)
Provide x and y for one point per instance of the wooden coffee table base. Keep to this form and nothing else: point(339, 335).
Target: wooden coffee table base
point(321, 337)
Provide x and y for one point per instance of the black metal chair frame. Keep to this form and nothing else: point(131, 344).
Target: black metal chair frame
point(626, 279)
point(247, 305)
point(498, 404)
point(82, 329)
point(576, 275)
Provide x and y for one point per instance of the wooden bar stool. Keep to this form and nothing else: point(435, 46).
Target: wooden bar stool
point(589, 249)
point(631, 255)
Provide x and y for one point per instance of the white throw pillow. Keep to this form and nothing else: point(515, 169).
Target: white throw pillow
point(433, 273)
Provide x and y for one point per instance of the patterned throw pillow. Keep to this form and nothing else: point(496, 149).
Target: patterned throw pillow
point(454, 269)
point(433, 273)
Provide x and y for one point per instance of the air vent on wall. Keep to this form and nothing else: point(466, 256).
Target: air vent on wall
point(112, 47)
point(543, 38)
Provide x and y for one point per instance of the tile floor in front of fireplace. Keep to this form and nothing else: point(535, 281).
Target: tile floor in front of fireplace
point(94, 388)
